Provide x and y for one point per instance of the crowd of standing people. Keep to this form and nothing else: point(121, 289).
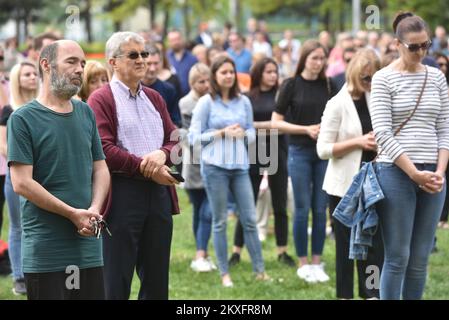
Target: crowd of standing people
point(87, 147)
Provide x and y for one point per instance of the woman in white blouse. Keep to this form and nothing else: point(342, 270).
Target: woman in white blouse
point(346, 138)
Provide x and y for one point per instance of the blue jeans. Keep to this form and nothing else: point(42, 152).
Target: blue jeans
point(408, 219)
point(15, 229)
point(218, 182)
point(202, 217)
point(307, 172)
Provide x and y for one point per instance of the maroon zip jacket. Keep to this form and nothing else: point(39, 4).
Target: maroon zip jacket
point(118, 160)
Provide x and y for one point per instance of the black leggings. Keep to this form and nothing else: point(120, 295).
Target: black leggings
point(344, 267)
point(278, 187)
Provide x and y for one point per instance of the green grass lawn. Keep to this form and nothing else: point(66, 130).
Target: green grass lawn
point(186, 284)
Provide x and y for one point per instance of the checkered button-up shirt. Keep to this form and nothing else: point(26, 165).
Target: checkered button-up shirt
point(140, 128)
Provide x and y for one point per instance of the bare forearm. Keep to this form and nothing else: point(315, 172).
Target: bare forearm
point(342, 148)
point(100, 187)
point(289, 128)
point(3, 141)
point(35, 193)
point(443, 157)
point(406, 165)
point(262, 125)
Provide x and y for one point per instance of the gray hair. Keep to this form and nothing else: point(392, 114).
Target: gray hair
point(115, 42)
point(49, 53)
point(153, 50)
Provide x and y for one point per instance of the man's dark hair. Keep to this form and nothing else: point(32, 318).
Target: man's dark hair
point(39, 40)
point(49, 53)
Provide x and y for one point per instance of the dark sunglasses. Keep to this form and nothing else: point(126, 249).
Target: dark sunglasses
point(366, 79)
point(133, 55)
point(414, 47)
point(2, 58)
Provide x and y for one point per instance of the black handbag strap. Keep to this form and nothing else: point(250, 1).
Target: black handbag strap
point(412, 113)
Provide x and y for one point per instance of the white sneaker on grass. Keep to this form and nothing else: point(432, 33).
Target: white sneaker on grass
point(306, 273)
point(201, 265)
point(318, 271)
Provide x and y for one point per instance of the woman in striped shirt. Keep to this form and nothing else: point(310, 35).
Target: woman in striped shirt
point(412, 163)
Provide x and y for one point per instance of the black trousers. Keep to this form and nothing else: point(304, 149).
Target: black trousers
point(278, 188)
point(53, 285)
point(141, 224)
point(345, 266)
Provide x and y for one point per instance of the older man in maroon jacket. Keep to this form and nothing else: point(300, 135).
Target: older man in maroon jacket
point(136, 133)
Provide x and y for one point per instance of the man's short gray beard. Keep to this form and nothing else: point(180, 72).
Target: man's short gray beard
point(61, 87)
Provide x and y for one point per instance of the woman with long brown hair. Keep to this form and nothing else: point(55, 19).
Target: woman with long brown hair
point(223, 123)
point(409, 112)
point(264, 87)
point(303, 99)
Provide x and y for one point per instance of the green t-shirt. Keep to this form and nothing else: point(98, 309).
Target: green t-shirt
point(62, 148)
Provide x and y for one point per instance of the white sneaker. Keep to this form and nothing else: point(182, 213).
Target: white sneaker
point(201, 265)
point(211, 263)
point(306, 273)
point(318, 271)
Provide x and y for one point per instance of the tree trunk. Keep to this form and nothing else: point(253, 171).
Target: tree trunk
point(166, 21)
point(26, 25)
point(88, 21)
point(117, 26)
point(18, 19)
point(152, 7)
point(185, 12)
point(327, 21)
point(238, 16)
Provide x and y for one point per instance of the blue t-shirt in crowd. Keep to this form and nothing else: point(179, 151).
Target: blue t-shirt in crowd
point(182, 68)
point(242, 61)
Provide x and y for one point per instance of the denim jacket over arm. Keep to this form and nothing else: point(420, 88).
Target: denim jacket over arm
point(357, 211)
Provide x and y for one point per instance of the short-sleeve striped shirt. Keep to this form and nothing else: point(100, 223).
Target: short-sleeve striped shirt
point(393, 97)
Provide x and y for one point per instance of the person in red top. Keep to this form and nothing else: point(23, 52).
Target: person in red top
point(137, 137)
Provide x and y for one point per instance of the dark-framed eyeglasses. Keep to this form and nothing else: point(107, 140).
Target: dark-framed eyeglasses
point(134, 55)
point(414, 47)
point(366, 79)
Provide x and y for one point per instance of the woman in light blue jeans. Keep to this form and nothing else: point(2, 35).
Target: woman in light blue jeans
point(223, 123)
point(15, 228)
point(24, 88)
point(410, 116)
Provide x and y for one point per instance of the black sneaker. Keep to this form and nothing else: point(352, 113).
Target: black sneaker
point(286, 259)
point(235, 259)
point(19, 287)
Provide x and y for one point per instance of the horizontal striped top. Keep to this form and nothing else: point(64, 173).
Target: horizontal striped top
point(393, 97)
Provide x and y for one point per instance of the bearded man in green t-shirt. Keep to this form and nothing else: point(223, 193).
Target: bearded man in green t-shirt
point(57, 166)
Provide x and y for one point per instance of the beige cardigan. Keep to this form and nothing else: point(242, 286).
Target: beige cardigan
point(340, 122)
